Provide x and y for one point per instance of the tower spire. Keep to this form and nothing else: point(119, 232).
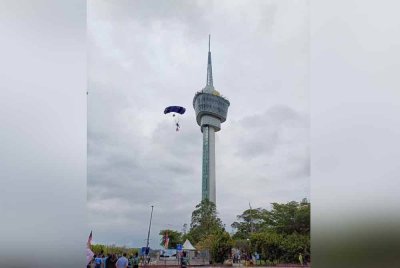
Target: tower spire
point(209, 66)
point(209, 38)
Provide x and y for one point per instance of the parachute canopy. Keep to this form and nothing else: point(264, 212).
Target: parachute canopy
point(175, 109)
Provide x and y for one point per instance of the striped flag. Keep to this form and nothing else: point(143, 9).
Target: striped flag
point(89, 255)
point(89, 252)
point(89, 241)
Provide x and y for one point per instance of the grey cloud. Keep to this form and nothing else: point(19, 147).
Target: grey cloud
point(264, 133)
point(144, 57)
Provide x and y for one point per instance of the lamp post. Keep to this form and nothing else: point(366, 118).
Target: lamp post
point(251, 219)
point(148, 236)
point(251, 231)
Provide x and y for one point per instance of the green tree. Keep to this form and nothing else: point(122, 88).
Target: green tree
point(282, 218)
point(242, 244)
point(207, 232)
point(268, 244)
point(175, 238)
point(279, 248)
point(219, 245)
point(110, 249)
point(250, 221)
point(294, 244)
point(204, 222)
point(279, 234)
point(98, 248)
point(291, 217)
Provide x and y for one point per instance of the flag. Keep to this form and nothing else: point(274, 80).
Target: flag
point(166, 240)
point(89, 252)
point(89, 241)
point(89, 255)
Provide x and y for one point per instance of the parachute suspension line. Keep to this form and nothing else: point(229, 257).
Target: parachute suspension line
point(176, 119)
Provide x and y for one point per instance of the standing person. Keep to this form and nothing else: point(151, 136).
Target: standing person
point(301, 259)
point(130, 261)
point(103, 258)
point(98, 260)
point(107, 261)
point(122, 262)
point(91, 262)
point(136, 261)
point(111, 260)
point(183, 260)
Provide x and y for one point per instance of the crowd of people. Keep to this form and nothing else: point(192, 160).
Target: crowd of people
point(124, 261)
point(114, 261)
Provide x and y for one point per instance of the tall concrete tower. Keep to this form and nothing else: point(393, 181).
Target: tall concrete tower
point(211, 110)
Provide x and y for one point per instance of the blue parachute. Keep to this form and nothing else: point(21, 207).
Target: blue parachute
point(175, 109)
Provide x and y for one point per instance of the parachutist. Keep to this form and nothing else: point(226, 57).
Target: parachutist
point(175, 110)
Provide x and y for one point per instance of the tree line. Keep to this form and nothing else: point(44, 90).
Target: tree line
point(112, 249)
point(278, 235)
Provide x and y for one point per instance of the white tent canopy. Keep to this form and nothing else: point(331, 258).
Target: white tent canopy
point(187, 245)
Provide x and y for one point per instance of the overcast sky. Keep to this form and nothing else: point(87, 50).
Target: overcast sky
point(146, 55)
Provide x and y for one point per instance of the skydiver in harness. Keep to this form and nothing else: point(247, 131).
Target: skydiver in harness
point(175, 109)
point(176, 123)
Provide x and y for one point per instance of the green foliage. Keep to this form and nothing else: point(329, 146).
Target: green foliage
point(283, 218)
point(175, 238)
point(97, 249)
point(204, 222)
point(242, 244)
point(280, 248)
point(294, 244)
point(251, 220)
point(291, 217)
point(219, 245)
point(278, 235)
point(207, 232)
point(112, 249)
point(267, 244)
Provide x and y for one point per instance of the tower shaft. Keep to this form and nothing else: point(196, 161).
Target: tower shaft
point(208, 171)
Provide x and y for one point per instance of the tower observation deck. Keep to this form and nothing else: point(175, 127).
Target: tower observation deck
point(211, 110)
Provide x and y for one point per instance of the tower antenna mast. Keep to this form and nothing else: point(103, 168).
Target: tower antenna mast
point(209, 83)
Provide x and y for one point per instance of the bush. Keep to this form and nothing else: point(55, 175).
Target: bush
point(278, 248)
point(219, 245)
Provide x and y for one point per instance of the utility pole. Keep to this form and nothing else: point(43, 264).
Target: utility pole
point(148, 236)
